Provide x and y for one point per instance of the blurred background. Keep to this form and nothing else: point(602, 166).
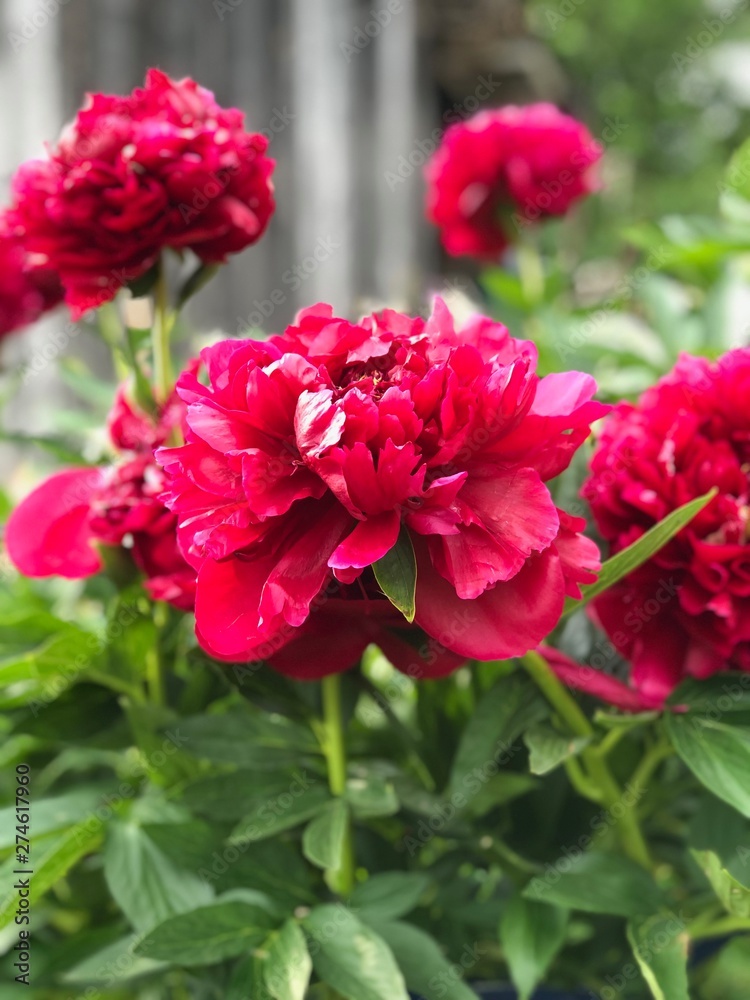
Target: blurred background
point(355, 95)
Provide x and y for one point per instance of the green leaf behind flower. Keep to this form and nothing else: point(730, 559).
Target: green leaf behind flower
point(396, 574)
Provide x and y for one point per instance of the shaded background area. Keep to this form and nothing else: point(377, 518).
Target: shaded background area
point(352, 93)
point(354, 96)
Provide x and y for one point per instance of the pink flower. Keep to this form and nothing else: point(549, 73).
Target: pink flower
point(532, 161)
point(28, 288)
point(686, 612)
point(307, 455)
point(165, 166)
point(53, 531)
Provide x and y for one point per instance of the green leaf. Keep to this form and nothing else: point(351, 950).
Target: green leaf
point(640, 551)
point(144, 283)
point(548, 748)
point(247, 982)
point(396, 573)
point(597, 883)
point(389, 895)
point(89, 388)
point(531, 934)
point(52, 658)
point(504, 712)
point(193, 284)
point(425, 969)
point(737, 174)
point(283, 813)
point(323, 839)
point(497, 791)
point(247, 739)
point(371, 797)
point(722, 693)
point(718, 828)
point(728, 974)
point(718, 754)
point(53, 444)
point(49, 815)
point(660, 946)
point(351, 957)
point(209, 934)
point(288, 966)
point(734, 896)
point(272, 866)
point(145, 884)
point(98, 968)
point(229, 797)
point(53, 860)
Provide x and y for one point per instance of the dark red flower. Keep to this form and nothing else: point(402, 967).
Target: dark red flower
point(306, 455)
point(53, 531)
point(529, 161)
point(28, 287)
point(164, 167)
point(686, 612)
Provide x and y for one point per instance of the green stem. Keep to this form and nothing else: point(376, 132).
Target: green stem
point(557, 695)
point(161, 330)
point(650, 762)
point(334, 748)
point(610, 741)
point(154, 665)
point(726, 925)
point(598, 772)
point(581, 782)
point(112, 334)
point(530, 272)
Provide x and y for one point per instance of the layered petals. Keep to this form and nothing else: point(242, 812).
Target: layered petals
point(163, 167)
point(308, 459)
point(56, 529)
point(686, 612)
point(521, 162)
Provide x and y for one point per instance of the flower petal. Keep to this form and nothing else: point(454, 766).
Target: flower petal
point(48, 534)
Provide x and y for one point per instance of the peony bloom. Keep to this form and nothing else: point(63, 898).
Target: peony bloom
point(53, 531)
point(309, 455)
point(164, 167)
point(528, 162)
point(686, 612)
point(28, 287)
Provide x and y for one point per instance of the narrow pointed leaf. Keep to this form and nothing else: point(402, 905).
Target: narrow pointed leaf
point(396, 574)
point(640, 551)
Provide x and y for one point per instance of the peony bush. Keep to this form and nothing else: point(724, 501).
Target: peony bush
point(374, 657)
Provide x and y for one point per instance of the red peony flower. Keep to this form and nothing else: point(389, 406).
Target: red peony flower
point(307, 455)
point(532, 161)
point(52, 532)
point(686, 612)
point(163, 167)
point(28, 287)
